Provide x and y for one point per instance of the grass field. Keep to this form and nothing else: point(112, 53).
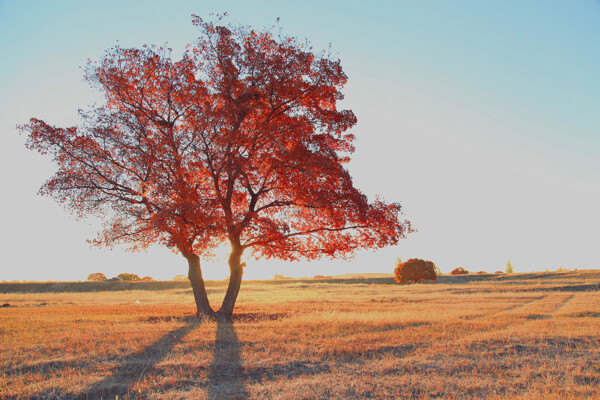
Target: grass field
point(521, 336)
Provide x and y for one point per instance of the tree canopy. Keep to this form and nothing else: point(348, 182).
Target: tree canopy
point(240, 140)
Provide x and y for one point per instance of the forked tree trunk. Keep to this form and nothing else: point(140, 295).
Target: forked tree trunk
point(235, 281)
point(195, 276)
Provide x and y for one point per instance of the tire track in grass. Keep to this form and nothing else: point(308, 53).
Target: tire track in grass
point(408, 351)
point(561, 305)
point(495, 349)
point(428, 350)
point(548, 314)
point(460, 332)
point(508, 309)
point(516, 307)
point(500, 327)
point(424, 348)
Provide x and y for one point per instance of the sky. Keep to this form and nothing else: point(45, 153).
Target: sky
point(482, 119)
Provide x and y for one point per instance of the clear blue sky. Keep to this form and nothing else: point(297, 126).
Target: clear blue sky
point(481, 117)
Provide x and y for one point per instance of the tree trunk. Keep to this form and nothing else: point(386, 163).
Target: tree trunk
point(195, 276)
point(235, 281)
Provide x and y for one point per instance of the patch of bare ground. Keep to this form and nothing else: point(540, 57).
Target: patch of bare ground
point(504, 337)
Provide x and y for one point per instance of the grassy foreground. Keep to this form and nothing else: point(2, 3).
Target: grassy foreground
point(525, 336)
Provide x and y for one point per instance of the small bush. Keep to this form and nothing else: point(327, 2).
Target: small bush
point(97, 277)
point(415, 270)
point(179, 278)
point(509, 268)
point(498, 272)
point(322, 277)
point(129, 277)
point(459, 271)
point(147, 279)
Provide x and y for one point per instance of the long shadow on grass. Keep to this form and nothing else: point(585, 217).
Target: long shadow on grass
point(226, 374)
point(136, 365)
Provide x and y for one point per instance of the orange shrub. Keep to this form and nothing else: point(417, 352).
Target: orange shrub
point(128, 277)
point(415, 270)
point(97, 277)
point(459, 271)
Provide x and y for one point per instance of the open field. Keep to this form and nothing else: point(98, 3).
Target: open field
point(526, 336)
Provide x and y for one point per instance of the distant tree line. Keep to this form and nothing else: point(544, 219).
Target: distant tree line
point(126, 276)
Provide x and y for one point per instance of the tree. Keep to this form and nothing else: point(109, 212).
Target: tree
point(509, 267)
point(96, 277)
point(415, 270)
point(239, 141)
point(398, 261)
point(129, 277)
point(459, 271)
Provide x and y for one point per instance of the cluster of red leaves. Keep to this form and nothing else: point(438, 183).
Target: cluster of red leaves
point(459, 271)
point(241, 140)
point(97, 277)
point(415, 270)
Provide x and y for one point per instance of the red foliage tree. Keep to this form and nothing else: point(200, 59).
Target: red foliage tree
point(415, 270)
point(96, 277)
point(241, 141)
point(459, 271)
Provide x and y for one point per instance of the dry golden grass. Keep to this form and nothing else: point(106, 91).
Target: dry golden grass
point(528, 336)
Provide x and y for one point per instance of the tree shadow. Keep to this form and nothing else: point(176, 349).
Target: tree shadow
point(226, 378)
point(226, 374)
point(136, 366)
